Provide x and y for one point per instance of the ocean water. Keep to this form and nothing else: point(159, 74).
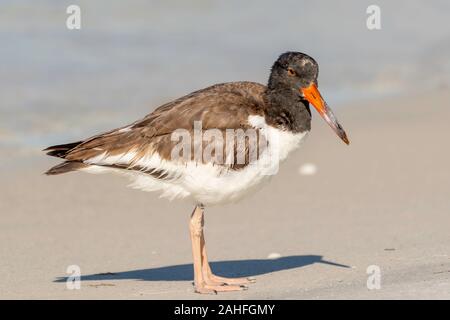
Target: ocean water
point(59, 85)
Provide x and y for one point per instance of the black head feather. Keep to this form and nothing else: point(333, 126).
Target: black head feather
point(293, 70)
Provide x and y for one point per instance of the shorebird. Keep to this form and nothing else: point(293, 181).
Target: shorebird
point(279, 114)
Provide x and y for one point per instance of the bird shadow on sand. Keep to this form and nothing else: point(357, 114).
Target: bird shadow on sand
point(231, 268)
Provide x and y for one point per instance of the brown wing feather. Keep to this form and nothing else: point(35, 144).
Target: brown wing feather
point(222, 106)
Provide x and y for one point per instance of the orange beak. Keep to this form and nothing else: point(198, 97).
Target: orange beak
point(314, 97)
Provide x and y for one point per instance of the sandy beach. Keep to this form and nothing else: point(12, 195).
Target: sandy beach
point(334, 221)
point(382, 201)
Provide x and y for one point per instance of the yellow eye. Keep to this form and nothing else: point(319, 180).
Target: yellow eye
point(291, 72)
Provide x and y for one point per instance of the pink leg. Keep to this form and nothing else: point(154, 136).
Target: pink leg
point(204, 280)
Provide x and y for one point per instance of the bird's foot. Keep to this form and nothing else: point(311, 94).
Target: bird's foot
point(231, 281)
point(205, 288)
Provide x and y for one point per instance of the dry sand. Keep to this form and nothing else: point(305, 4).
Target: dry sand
point(384, 201)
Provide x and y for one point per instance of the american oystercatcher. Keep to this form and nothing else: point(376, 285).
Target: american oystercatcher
point(201, 147)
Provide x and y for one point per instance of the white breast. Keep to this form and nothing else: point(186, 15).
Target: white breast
point(281, 142)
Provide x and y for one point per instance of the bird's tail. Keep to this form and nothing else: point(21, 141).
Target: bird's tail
point(66, 166)
point(60, 151)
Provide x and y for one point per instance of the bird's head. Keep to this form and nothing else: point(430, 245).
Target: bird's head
point(297, 72)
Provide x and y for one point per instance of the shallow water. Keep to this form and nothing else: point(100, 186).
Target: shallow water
point(58, 85)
